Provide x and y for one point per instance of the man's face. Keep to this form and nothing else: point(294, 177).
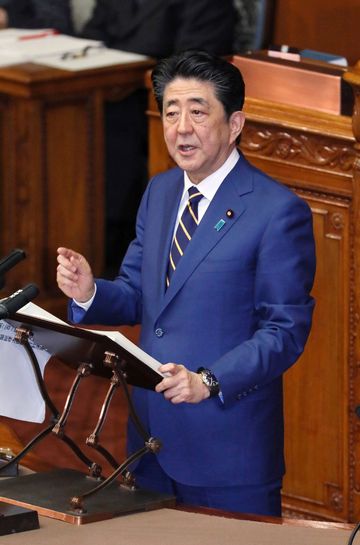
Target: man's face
point(197, 133)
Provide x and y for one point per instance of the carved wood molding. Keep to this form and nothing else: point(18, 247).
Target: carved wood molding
point(291, 513)
point(321, 196)
point(333, 501)
point(297, 147)
point(334, 221)
point(352, 76)
point(334, 497)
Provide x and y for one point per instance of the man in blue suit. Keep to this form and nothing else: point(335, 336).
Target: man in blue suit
point(231, 311)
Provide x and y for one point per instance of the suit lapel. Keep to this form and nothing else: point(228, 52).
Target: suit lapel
point(163, 231)
point(228, 197)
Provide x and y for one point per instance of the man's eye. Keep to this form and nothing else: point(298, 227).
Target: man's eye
point(198, 115)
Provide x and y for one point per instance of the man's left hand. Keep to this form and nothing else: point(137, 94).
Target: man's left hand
point(181, 385)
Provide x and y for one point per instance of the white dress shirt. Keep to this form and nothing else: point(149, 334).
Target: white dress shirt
point(208, 186)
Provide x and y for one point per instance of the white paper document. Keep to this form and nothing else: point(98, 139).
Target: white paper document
point(37, 312)
point(20, 397)
point(34, 47)
point(11, 35)
point(95, 58)
point(44, 46)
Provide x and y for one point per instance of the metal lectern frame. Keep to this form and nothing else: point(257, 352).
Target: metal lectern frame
point(77, 497)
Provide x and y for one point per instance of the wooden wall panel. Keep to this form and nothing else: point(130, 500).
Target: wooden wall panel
point(52, 166)
point(325, 25)
point(52, 186)
point(317, 386)
point(74, 213)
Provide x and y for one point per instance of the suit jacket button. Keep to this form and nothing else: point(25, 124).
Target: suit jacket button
point(239, 396)
point(159, 332)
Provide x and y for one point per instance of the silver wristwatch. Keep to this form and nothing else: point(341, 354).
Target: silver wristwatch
point(210, 381)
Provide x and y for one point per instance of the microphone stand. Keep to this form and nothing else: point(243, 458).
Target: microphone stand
point(353, 534)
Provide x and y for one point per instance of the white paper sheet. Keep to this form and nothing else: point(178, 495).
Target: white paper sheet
point(96, 58)
point(18, 46)
point(36, 48)
point(31, 309)
point(11, 35)
point(44, 46)
point(20, 397)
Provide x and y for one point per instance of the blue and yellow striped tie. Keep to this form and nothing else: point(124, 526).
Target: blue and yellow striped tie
point(185, 230)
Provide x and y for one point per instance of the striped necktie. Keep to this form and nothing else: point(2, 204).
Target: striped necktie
point(185, 230)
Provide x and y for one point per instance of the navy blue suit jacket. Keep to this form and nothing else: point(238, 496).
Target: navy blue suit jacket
point(239, 303)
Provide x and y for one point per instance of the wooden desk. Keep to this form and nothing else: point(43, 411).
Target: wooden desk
point(52, 165)
point(318, 156)
point(167, 526)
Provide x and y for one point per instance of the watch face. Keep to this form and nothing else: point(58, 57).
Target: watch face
point(210, 381)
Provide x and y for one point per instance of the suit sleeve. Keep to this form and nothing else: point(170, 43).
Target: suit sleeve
point(283, 305)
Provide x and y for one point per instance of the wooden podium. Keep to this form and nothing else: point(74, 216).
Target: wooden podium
point(52, 165)
point(317, 154)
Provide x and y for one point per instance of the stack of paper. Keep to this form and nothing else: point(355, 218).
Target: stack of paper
point(20, 47)
point(45, 46)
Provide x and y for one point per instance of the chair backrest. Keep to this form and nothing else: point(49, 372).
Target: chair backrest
point(255, 25)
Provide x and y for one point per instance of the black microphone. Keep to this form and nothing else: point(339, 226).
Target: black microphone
point(17, 300)
point(9, 262)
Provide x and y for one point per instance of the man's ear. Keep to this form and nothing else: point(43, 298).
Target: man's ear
point(236, 122)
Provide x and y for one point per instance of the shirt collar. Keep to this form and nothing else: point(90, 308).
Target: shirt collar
point(209, 185)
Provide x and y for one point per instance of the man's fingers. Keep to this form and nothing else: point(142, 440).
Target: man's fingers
point(65, 272)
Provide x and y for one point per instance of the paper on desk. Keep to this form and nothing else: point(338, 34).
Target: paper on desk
point(11, 35)
point(14, 51)
point(35, 48)
point(44, 46)
point(96, 58)
point(20, 397)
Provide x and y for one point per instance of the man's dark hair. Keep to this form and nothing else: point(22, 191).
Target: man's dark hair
point(225, 77)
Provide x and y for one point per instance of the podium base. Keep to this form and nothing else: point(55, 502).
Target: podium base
point(11, 471)
point(50, 494)
point(15, 519)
